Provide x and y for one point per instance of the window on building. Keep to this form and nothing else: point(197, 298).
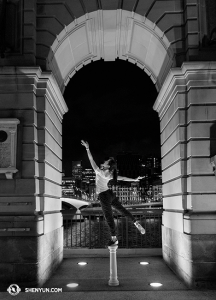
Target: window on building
point(10, 26)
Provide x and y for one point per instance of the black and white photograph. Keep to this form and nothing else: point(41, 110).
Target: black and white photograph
point(108, 149)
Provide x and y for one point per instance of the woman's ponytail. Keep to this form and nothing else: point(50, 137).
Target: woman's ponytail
point(113, 168)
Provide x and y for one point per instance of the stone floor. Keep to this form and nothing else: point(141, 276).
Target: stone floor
point(134, 279)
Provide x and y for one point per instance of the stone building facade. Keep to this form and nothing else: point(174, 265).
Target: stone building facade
point(43, 44)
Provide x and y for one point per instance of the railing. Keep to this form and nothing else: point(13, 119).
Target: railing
point(90, 230)
point(129, 200)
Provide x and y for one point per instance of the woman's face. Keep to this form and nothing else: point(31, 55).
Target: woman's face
point(105, 165)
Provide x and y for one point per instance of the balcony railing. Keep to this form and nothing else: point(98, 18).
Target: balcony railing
point(90, 230)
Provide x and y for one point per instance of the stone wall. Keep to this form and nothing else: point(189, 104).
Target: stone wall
point(187, 110)
point(31, 232)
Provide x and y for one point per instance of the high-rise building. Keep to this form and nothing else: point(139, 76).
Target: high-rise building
point(77, 169)
point(68, 189)
point(92, 192)
point(77, 172)
point(152, 166)
point(88, 180)
point(88, 175)
point(157, 190)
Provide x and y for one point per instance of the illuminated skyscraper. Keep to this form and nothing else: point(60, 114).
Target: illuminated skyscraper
point(88, 181)
point(153, 166)
point(77, 169)
point(77, 172)
point(88, 175)
point(68, 187)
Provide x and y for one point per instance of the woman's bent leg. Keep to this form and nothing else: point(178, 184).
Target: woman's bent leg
point(105, 201)
point(117, 204)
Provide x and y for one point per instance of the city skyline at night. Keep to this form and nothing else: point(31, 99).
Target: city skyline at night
point(125, 122)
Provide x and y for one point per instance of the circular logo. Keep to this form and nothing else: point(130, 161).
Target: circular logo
point(14, 289)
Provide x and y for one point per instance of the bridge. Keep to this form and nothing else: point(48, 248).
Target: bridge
point(75, 203)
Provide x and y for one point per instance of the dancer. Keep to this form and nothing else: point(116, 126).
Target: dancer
point(106, 172)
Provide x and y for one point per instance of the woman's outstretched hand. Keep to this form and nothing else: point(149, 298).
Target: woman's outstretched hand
point(138, 178)
point(85, 144)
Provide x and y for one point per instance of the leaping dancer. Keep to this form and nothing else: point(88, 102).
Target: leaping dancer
point(106, 172)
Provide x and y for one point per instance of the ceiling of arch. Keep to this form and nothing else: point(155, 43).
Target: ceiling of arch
point(109, 35)
point(145, 32)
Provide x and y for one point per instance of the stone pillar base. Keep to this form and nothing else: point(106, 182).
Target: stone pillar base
point(191, 256)
point(29, 261)
point(113, 281)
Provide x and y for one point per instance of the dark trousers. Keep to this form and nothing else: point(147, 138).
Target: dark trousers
point(107, 200)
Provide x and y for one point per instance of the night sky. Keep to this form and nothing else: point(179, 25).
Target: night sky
point(110, 106)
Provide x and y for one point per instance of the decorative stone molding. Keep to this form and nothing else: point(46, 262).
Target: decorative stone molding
point(109, 35)
point(41, 83)
point(8, 146)
point(47, 85)
point(179, 80)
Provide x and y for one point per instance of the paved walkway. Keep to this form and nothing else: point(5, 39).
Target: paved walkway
point(134, 279)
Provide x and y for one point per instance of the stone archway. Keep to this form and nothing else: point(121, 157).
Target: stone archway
point(108, 35)
point(188, 178)
point(30, 208)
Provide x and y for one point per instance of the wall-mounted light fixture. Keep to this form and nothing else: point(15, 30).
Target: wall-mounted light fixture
point(72, 285)
point(156, 284)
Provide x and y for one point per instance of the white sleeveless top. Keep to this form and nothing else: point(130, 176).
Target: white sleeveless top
point(101, 181)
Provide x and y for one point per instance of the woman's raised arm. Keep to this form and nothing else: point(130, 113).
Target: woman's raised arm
point(93, 164)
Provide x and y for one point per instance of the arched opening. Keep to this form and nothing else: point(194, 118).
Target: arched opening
point(119, 34)
point(108, 35)
point(186, 106)
point(111, 106)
